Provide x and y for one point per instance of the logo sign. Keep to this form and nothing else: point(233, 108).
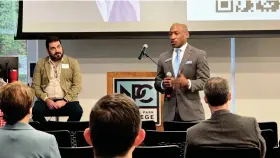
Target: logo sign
point(144, 94)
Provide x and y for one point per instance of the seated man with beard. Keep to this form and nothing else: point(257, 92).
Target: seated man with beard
point(57, 83)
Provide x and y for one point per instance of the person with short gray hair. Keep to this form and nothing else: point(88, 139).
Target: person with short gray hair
point(224, 128)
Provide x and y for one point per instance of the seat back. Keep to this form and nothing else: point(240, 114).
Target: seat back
point(80, 139)
point(273, 127)
point(76, 152)
point(157, 138)
point(63, 137)
point(149, 125)
point(270, 141)
point(36, 125)
point(70, 126)
point(170, 151)
point(177, 126)
point(222, 152)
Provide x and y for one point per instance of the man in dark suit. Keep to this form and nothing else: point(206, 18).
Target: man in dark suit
point(189, 69)
point(224, 128)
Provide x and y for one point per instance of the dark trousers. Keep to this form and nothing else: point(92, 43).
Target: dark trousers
point(71, 109)
point(177, 115)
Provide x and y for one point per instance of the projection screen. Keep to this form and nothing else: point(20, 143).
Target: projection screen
point(148, 16)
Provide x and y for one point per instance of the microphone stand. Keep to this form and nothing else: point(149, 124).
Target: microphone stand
point(144, 53)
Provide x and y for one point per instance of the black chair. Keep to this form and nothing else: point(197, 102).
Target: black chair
point(268, 135)
point(36, 125)
point(270, 141)
point(81, 142)
point(149, 125)
point(70, 126)
point(63, 137)
point(171, 151)
point(177, 126)
point(156, 138)
point(222, 152)
point(273, 127)
point(76, 152)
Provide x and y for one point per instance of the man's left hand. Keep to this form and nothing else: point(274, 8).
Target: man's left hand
point(180, 82)
point(60, 103)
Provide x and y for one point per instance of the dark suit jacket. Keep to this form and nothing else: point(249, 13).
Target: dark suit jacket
point(195, 67)
point(227, 130)
point(23, 141)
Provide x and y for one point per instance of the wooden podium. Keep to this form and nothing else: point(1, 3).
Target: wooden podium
point(140, 87)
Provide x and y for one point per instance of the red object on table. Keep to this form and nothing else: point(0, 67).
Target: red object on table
point(13, 75)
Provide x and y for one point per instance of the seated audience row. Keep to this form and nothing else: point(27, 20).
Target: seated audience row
point(115, 125)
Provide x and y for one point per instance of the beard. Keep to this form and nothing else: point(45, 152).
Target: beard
point(56, 56)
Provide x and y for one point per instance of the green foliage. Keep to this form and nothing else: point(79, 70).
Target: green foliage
point(8, 16)
point(8, 26)
point(9, 46)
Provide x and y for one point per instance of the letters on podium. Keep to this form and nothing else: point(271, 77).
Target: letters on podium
point(140, 87)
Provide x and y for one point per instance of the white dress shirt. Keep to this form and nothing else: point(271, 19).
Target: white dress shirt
point(182, 52)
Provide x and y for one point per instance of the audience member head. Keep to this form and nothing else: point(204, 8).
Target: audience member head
point(217, 94)
point(16, 102)
point(178, 35)
point(54, 48)
point(115, 127)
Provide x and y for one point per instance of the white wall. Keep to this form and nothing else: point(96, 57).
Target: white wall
point(257, 78)
point(257, 68)
point(97, 57)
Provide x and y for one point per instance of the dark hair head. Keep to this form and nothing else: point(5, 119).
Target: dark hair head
point(15, 101)
point(51, 39)
point(114, 125)
point(216, 90)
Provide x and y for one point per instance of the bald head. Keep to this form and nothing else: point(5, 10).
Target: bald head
point(178, 34)
point(182, 27)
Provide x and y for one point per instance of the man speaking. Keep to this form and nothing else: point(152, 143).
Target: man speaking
point(181, 74)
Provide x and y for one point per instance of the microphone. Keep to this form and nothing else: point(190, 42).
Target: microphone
point(168, 91)
point(145, 46)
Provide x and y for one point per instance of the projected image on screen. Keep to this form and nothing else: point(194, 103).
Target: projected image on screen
point(149, 16)
point(119, 10)
point(234, 10)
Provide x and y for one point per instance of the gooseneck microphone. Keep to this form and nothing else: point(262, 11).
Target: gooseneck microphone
point(145, 46)
point(143, 52)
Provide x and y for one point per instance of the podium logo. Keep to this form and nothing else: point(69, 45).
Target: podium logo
point(142, 91)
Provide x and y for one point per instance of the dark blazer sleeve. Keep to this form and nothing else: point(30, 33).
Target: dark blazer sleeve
point(159, 77)
point(262, 143)
point(202, 72)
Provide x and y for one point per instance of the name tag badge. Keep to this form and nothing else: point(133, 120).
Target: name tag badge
point(65, 66)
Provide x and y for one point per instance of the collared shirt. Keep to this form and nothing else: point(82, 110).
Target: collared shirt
point(54, 90)
point(183, 48)
point(182, 52)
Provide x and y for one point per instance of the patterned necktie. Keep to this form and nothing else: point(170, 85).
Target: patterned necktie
point(177, 62)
